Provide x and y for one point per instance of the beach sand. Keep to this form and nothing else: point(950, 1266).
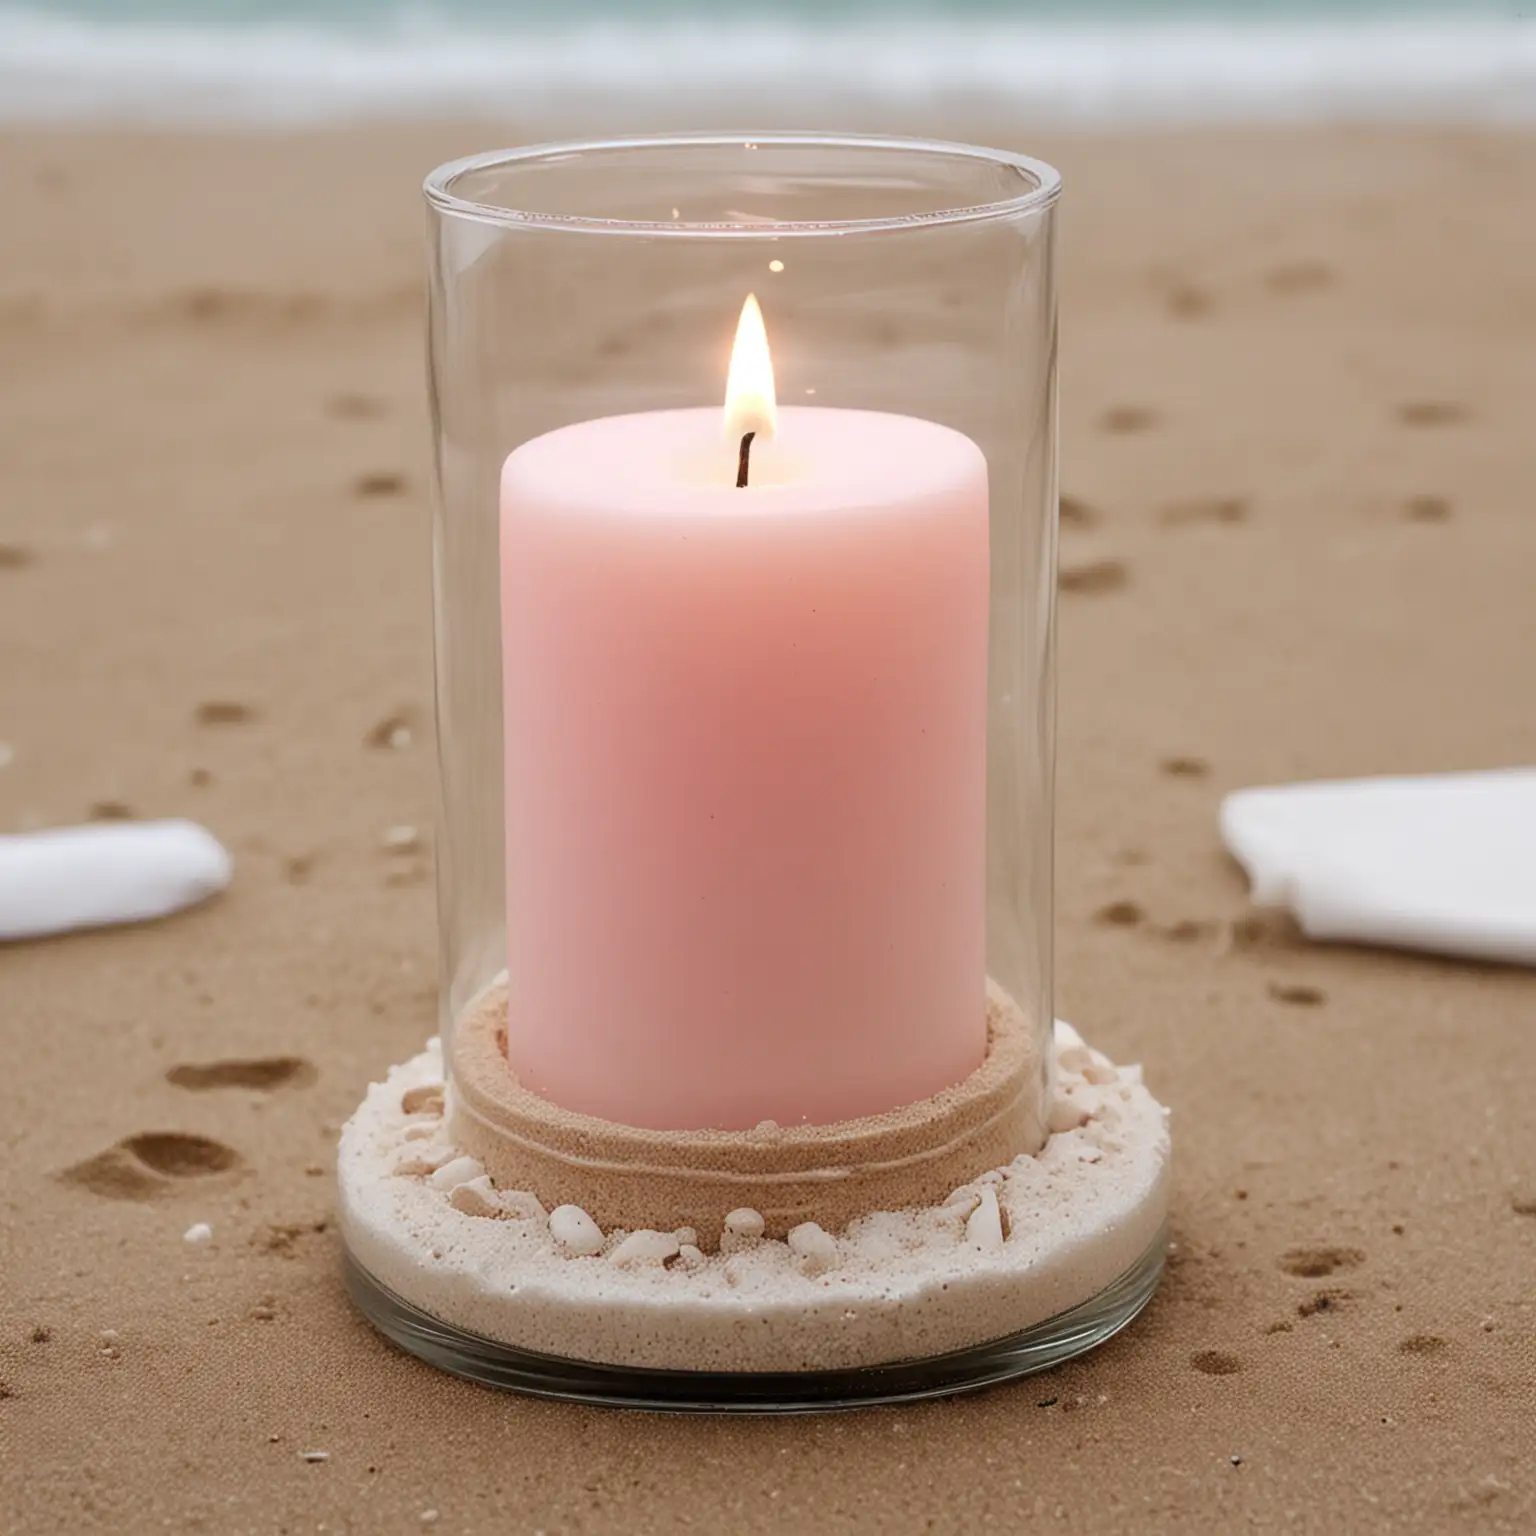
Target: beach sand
point(1297, 380)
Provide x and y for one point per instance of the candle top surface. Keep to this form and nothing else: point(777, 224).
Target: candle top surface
point(683, 463)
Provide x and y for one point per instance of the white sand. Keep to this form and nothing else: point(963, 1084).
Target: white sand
point(893, 1286)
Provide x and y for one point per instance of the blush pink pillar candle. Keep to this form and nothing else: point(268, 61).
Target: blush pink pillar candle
point(745, 767)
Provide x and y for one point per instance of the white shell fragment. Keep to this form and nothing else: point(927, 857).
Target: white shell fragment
point(459, 1171)
point(745, 1222)
point(1066, 1114)
point(984, 1226)
point(520, 1205)
point(116, 872)
point(476, 1198)
point(645, 1247)
point(575, 1231)
point(1444, 863)
point(815, 1248)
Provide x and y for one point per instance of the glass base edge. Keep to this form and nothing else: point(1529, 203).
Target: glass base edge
point(1037, 1348)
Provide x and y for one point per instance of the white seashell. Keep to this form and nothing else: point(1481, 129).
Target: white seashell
point(743, 1229)
point(815, 1248)
point(1065, 1115)
point(984, 1228)
point(574, 1231)
point(476, 1198)
point(460, 1170)
point(521, 1205)
point(645, 1248)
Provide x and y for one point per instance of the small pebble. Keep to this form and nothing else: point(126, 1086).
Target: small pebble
point(645, 1248)
point(690, 1257)
point(198, 1232)
point(984, 1227)
point(745, 1223)
point(459, 1171)
point(109, 1336)
point(314, 1455)
point(1065, 1115)
point(1076, 1058)
point(476, 1198)
point(574, 1231)
point(426, 1099)
point(402, 839)
point(428, 1517)
point(521, 1205)
point(816, 1249)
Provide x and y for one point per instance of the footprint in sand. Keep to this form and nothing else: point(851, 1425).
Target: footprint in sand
point(1119, 914)
point(298, 869)
point(379, 482)
point(1186, 301)
point(1299, 277)
point(1431, 413)
point(1076, 513)
point(1297, 994)
point(1216, 1362)
point(1331, 1300)
point(1269, 930)
point(1427, 509)
point(223, 712)
point(1185, 767)
point(264, 1073)
point(1128, 418)
point(1095, 576)
point(394, 732)
point(1315, 1262)
point(1190, 930)
point(349, 406)
point(151, 1164)
point(1203, 509)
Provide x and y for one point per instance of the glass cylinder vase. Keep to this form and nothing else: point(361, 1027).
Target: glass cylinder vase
point(745, 575)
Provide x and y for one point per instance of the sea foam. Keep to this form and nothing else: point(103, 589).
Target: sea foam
point(1467, 67)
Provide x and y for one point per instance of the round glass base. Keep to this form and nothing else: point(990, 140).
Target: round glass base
point(1059, 1338)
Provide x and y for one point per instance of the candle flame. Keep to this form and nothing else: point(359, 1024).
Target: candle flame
point(749, 398)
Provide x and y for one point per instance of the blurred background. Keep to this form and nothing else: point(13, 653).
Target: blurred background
point(1094, 61)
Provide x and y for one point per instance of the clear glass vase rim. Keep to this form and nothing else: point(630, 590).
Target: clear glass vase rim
point(1041, 195)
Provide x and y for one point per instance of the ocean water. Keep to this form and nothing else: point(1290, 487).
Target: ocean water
point(1094, 61)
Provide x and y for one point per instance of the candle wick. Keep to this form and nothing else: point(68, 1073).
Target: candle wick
point(744, 458)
